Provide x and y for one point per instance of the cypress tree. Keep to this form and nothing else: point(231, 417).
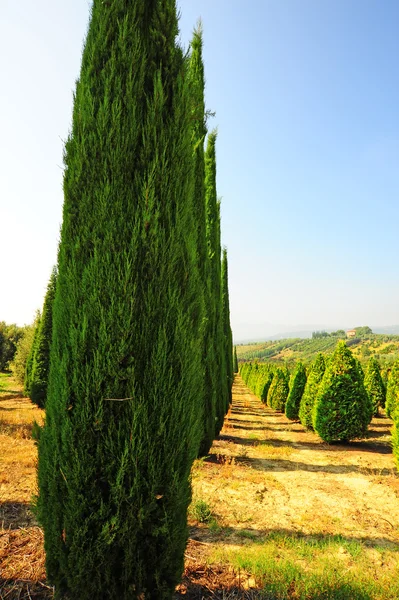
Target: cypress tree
point(41, 355)
point(374, 386)
point(313, 382)
point(342, 410)
point(278, 391)
point(214, 254)
point(32, 350)
point(235, 360)
point(297, 387)
point(123, 421)
point(210, 374)
point(227, 334)
point(392, 395)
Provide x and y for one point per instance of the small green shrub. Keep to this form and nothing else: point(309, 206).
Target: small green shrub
point(342, 410)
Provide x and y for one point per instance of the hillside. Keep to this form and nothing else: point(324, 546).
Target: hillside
point(385, 348)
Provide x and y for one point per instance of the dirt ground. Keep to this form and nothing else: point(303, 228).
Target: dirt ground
point(263, 474)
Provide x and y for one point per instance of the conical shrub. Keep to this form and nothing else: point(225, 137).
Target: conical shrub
point(123, 415)
point(313, 382)
point(342, 410)
point(374, 386)
point(278, 391)
point(395, 437)
point(392, 395)
point(297, 388)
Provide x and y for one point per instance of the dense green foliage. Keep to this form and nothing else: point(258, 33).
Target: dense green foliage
point(342, 410)
point(227, 334)
point(278, 391)
point(24, 350)
point(124, 404)
point(25, 359)
point(392, 395)
point(312, 385)
point(297, 387)
point(10, 335)
point(207, 339)
point(395, 438)
point(235, 360)
point(383, 347)
point(39, 362)
point(215, 269)
point(374, 385)
point(258, 377)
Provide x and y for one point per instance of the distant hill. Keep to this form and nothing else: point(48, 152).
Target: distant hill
point(384, 346)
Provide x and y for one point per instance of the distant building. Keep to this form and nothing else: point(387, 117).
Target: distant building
point(351, 333)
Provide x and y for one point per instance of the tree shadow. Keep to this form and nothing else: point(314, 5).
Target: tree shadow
point(280, 464)
point(14, 515)
point(249, 536)
point(11, 395)
point(23, 589)
point(19, 430)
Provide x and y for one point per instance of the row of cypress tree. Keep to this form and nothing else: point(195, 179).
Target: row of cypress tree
point(141, 353)
point(38, 360)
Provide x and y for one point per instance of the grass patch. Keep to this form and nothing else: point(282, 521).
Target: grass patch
point(288, 566)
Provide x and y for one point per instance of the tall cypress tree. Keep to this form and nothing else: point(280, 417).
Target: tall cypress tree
point(123, 421)
point(209, 367)
point(235, 360)
point(41, 355)
point(29, 360)
point(214, 253)
point(227, 334)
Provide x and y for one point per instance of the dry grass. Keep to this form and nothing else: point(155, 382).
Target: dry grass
point(21, 540)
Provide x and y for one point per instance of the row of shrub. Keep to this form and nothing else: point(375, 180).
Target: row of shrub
point(333, 396)
point(303, 393)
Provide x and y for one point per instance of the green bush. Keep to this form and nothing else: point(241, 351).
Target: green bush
point(278, 391)
point(374, 385)
point(297, 387)
point(24, 350)
point(395, 438)
point(10, 335)
point(342, 410)
point(392, 395)
point(312, 385)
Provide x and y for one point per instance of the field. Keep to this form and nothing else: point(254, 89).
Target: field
point(276, 513)
point(385, 348)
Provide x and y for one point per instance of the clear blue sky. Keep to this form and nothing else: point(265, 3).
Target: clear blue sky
point(306, 94)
